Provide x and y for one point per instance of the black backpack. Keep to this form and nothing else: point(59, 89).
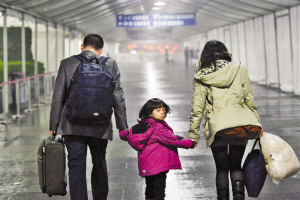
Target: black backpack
point(90, 96)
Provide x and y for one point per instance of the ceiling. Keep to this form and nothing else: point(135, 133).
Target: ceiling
point(99, 17)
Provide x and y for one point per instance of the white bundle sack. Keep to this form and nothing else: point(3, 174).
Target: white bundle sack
point(281, 159)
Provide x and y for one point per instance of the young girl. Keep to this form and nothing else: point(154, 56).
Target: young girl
point(156, 145)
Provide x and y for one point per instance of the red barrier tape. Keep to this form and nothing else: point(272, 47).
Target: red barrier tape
point(29, 77)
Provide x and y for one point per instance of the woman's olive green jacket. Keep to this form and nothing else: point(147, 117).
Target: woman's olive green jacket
point(224, 99)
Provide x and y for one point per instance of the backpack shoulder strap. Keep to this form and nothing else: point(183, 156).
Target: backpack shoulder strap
point(81, 58)
point(103, 59)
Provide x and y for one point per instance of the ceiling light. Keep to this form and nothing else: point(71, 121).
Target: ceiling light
point(160, 3)
point(142, 8)
point(155, 8)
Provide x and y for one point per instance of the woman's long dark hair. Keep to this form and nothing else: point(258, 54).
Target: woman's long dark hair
point(151, 105)
point(213, 50)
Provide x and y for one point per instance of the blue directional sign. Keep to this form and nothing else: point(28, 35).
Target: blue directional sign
point(156, 20)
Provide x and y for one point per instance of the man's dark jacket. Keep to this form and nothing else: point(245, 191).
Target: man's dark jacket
point(58, 121)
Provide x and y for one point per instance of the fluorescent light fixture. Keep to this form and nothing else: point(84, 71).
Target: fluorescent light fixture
point(155, 8)
point(142, 8)
point(160, 3)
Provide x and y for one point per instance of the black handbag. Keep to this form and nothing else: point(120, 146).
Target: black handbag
point(255, 171)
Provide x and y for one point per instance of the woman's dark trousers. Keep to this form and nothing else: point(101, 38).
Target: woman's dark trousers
point(229, 159)
point(155, 186)
point(77, 152)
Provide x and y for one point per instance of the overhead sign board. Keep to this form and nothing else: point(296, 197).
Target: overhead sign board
point(149, 34)
point(156, 20)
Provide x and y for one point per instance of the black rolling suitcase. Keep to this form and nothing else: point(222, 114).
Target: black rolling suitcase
point(51, 158)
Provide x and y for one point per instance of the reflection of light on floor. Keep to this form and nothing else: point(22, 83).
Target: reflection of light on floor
point(169, 177)
point(152, 80)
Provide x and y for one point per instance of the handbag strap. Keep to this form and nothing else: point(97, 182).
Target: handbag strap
point(257, 140)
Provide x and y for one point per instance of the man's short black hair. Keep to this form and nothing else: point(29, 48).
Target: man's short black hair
point(93, 40)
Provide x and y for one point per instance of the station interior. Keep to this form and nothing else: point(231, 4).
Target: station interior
point(149, 40)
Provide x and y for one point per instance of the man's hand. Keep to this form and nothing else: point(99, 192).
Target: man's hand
point(51, 132)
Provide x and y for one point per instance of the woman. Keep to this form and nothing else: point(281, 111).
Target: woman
point(223, 97)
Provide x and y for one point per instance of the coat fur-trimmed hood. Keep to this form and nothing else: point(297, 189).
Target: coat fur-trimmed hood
point(222, 78)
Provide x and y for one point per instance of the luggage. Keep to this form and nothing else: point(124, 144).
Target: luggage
point(281, 159)
point(90, 95)
point(51, 158)
point(255, 172)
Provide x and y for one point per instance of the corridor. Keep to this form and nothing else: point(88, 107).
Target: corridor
point(279, 112)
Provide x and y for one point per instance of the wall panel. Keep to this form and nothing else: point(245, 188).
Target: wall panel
point(260, 65)
point(272, 78)
point(242, 44)
point(251, 54)
point(295, 30)
point(284, 53)
point(235, 51)
point(227, 38)
point(52, 49)
point(297, 73)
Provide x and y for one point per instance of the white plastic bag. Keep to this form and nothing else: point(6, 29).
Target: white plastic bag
point(281, 159)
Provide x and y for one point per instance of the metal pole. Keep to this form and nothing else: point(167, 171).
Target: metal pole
point(64, 46)
point(5, 70)
point(18, 115)
point(70, 43)
point(18, 97)
point(56, 47)
point(49, 86)
point(29, 96)
point(23, 46)
point(45, 87)
point(37, 81)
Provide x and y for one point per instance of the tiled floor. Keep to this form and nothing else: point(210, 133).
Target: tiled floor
point(280, 114)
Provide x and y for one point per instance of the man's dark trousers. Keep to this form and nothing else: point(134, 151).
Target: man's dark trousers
point(77, 152)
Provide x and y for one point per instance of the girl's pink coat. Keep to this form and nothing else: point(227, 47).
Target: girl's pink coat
point(157, 147)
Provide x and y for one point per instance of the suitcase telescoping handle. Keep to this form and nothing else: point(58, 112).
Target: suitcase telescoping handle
point(54, 135)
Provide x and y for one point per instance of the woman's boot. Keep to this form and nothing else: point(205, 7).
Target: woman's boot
point(238, 190)
point(223, 194)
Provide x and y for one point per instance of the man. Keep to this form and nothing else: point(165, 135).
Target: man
point(186, 56)
point(78, 137)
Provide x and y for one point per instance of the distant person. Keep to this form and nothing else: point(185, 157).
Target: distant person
point(78, 137)
point(156, 145)
point(167, 57)
point(224, 99)
point(197, 56)
point(186, 56)
point(192, 55)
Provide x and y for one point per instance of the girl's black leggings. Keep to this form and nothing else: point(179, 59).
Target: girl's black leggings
point(228, 158)
point(155, 186)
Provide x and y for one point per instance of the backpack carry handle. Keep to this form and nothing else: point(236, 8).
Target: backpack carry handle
point(93, 58)
point(84, 59)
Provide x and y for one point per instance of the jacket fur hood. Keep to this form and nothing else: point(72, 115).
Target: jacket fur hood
point(222, 78)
